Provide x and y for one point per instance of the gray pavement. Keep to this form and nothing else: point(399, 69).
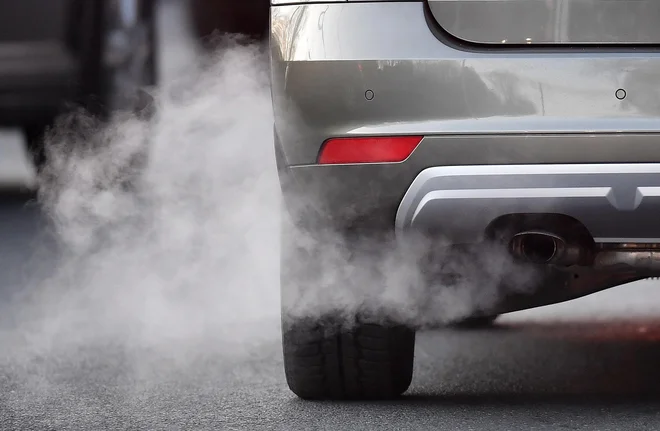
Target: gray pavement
point(588, 364)
point(100, 346)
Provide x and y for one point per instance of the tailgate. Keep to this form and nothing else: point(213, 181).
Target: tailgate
point(550, 22)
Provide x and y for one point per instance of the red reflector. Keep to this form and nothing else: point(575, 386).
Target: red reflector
point(368, 150)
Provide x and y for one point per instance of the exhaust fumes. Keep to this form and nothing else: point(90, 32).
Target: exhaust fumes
point(415, 280)
point(169, 232)
point(178, 246)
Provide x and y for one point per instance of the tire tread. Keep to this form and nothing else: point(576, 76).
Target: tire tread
point(368, 362)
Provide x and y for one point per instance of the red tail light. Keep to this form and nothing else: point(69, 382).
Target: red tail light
point(376, 149)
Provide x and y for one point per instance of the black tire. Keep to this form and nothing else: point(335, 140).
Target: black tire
point(328, 357)
point(105, 89)
point(477, 322)
point(368, 361)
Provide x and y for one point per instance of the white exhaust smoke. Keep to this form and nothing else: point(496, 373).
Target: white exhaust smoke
point(190, 246)
point(187, 256)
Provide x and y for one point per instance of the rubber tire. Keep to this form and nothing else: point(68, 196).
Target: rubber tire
point(323, 358)
point(369, 361)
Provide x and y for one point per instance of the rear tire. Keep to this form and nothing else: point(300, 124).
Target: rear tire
point(331, 357)
point(367, 361)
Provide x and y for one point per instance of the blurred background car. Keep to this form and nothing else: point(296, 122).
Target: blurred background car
point(56, 55)
point(59, 54)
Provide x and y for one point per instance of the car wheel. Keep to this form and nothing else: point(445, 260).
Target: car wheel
point(367, 361)
point(116, 44)
point(332, 355)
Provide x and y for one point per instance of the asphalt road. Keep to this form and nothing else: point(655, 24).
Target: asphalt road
point(588, 364)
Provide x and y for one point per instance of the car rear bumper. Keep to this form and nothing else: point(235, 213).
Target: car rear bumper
point(617, 203)
point(458, 184)
point(476, 107)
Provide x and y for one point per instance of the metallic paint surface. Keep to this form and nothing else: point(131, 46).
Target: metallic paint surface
point(326, 56)
point(615, 202)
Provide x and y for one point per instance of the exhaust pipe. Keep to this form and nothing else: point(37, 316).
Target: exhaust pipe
point(643, 260)
point(536, 247)
point(541, 247)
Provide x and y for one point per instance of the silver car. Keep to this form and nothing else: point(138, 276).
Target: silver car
point(526, 130)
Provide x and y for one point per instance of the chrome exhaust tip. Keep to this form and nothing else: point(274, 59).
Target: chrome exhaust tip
point(537, 247)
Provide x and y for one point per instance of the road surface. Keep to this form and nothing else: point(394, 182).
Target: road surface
point(589, 364)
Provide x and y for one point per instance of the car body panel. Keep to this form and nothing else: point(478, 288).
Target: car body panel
point(474, 106)
point(325, 57)
point(536, 136)
point(370, 194)
point(573, 22)
point(616, 203)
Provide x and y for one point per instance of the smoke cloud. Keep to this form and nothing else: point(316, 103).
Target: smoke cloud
point(167, 255)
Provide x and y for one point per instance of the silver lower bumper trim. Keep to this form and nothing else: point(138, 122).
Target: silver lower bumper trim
point(613, 201)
